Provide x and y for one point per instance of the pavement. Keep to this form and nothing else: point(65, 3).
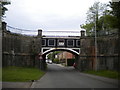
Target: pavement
point(16, 84)
point(32, 84)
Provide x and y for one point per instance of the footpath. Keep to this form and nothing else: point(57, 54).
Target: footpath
point(16, 84)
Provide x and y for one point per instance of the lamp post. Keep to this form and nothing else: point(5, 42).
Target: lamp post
point(0, 15)
point(96, 60)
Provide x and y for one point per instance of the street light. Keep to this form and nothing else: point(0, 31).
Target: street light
point(0, 15)
point(96, 68)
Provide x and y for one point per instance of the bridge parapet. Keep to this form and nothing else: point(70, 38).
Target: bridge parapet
point(68, 42)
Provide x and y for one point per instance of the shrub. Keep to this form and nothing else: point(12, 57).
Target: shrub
point(56, 60)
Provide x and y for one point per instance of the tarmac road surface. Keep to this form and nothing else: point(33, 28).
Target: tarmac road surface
point(67, 77)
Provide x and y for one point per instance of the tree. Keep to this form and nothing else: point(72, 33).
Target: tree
point(95, 12)
point(93, 15)
point(115, 8)
point(52, 55)
point(88, 28)
point(116, 12)
point(105, 21)
point(108, 23)
point(3, 9)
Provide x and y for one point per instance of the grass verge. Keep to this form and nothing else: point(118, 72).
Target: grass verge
point(21, 74)
point(105, 73)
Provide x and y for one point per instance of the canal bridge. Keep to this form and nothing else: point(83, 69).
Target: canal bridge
point(60, 43)
point(71, 44)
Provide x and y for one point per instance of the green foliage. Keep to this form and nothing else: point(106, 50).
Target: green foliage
point(93, 15)
point(115, 8)
point(109, 21)
point(96, 10)
point(105, 21)
point(105, 73)
point(21, 74)
point(4, 9)
point(52, 55)
point(88, 28)
point(56, 60)
point(116, 11)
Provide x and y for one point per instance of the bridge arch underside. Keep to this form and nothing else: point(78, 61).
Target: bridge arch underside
point(61, 49)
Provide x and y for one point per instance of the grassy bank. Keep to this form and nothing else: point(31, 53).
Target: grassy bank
point(21, 74)
point(105, 73)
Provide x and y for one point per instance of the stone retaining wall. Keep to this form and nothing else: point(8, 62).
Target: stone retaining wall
point(19, 50)
point(107, 53)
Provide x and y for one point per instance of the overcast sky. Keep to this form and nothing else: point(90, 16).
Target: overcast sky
point(48, 14)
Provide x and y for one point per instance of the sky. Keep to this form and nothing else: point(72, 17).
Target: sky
point(57, 15)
